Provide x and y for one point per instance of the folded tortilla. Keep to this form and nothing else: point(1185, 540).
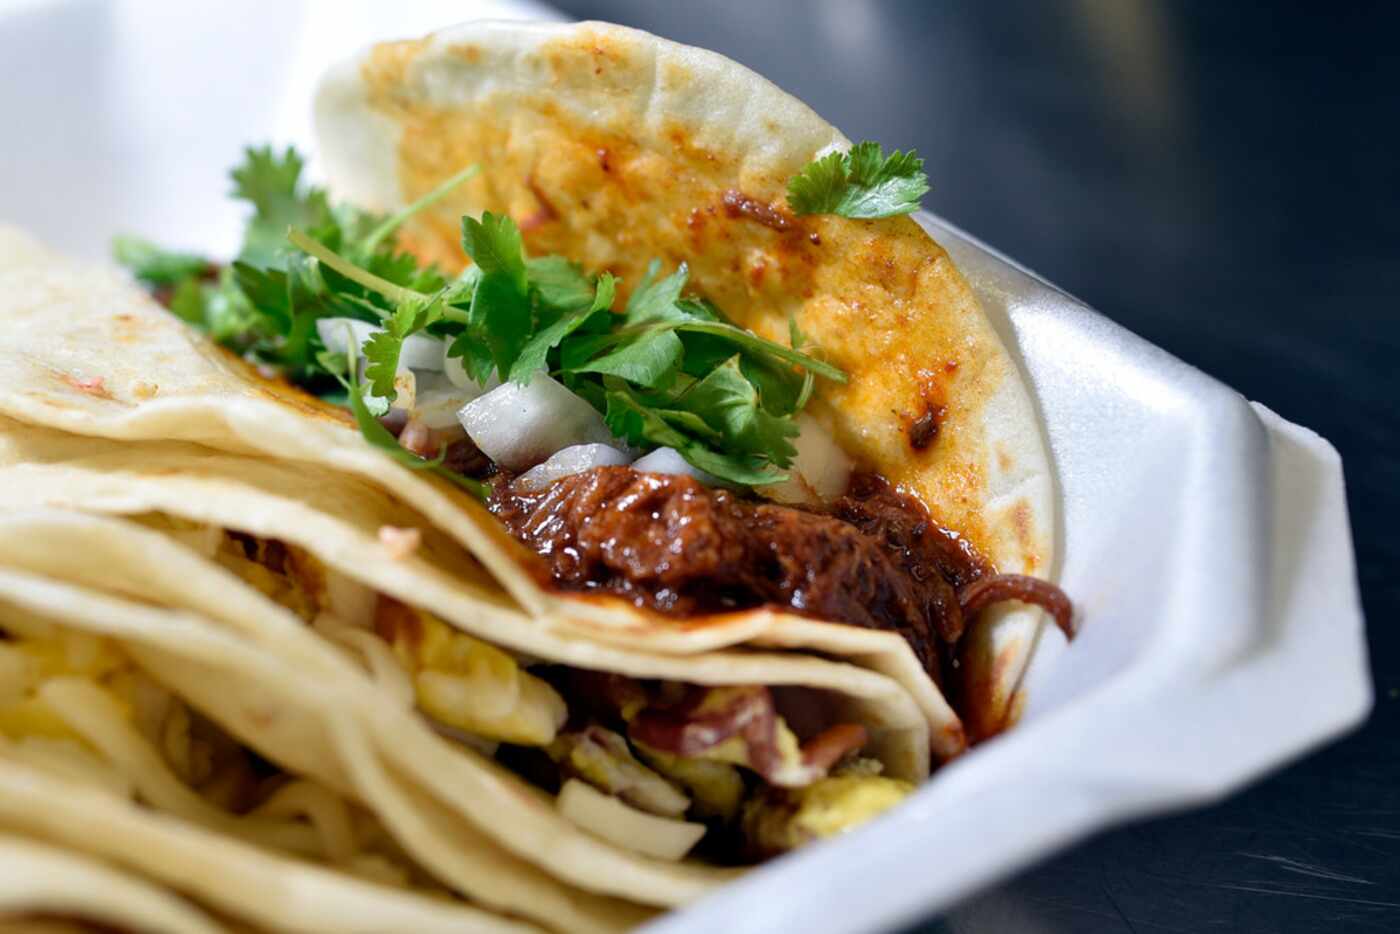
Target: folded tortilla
point(40, 885)
point(294, 718)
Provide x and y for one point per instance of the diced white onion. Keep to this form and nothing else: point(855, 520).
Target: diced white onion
point(669, 460)
point(419, 352)
point(819, 472)
point(570, 460)
point(606, 817)
point(520, 426)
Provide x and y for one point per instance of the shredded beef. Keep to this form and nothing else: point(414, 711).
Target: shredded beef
point(670, 543)
point(873, 558)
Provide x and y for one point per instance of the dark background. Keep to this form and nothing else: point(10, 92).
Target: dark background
point(1224, 179)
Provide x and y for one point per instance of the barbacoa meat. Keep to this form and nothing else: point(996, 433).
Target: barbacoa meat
point(875, 560)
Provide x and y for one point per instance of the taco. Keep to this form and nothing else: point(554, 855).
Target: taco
point(651, 362)
point(150, 739)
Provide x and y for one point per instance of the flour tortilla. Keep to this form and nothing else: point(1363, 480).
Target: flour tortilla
point(311, 724)
point(234, 878)
point(611, 146)
point(37, 879)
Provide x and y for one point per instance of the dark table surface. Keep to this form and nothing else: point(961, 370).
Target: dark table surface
point(1223, 179)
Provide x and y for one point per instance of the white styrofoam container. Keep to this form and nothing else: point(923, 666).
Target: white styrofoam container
point(1203, 539)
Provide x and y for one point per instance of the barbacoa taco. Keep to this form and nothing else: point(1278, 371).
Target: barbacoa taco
point(608, 410)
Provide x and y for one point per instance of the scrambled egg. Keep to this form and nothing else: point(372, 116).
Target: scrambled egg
point(465, 683)
point(788, 818)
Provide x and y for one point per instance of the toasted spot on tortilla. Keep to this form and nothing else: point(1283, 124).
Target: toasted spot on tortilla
point(1004, 461)
point(1023, 524)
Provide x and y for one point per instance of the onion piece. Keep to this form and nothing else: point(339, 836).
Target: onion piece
point(669, 460)
point(606, 817)
point(520, 426)
point(419, 352)
point(571, 460)
point(820, 471)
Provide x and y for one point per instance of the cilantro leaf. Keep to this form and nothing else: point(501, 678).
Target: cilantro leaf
point(269, 291)
point(156, 266)
point(728, 403)
point(534, 354)
point(650, 359)
point(653, 300)
point(383, 347)
point(861, 183)
point(500, 316)
point(187, 302)
point(475, 354)
point(631, 419)
point(500, 319)
point(494, 244)
point(560, 284)
point(272, 184)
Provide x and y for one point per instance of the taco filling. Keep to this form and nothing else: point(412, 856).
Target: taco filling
point(644, 448)
point(725, 765)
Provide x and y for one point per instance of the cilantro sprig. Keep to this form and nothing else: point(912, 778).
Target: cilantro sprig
point(861, 183)
point(668, 369)
point(265, 303)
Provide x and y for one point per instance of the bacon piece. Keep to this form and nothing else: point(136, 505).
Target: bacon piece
point(705, 718)
point(832, 745)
